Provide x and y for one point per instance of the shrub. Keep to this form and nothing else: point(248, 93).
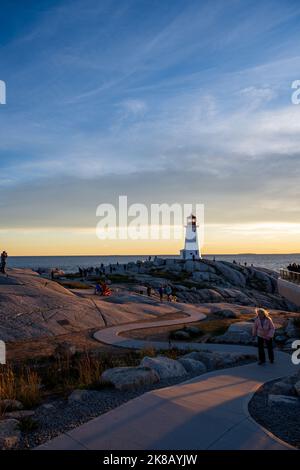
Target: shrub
point(7, 383)
point(89, 370)
point(23, 385)
point(29, 388)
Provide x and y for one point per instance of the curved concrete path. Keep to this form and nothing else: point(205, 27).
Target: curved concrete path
point(207, 412)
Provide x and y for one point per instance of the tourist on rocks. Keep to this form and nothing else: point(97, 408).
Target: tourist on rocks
point(149, 290)
point(4, 256)
point(264, 329)
point(161, 293)
point(98, 289)
point(169, 293)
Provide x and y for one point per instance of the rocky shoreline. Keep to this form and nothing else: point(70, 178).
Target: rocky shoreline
point(206, 281)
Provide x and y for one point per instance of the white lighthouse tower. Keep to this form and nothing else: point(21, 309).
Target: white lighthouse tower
point(191, 248)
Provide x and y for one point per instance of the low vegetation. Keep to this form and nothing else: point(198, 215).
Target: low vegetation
point(20, 384)
point(59, 375)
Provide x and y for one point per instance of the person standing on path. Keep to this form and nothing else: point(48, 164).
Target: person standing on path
point(264, 329)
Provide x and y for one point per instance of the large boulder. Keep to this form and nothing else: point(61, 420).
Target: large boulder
point(236, 296)
point(209, 295)
point(201, 276)
point(166, 368)
point(192, 330)
point(203, 267)
point(237, 333)
point(9, 434)
point(181, 335)
point(173, 268)
point(231, 359)
point(226, 313)
point(233, 276)
point(195, 355)
point(242, 326)
point(211, 360)
point(189, 266)
point(263, 281)
point(192, 366)
point(130, 378)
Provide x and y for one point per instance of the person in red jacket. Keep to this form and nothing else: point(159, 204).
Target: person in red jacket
point(264, 329)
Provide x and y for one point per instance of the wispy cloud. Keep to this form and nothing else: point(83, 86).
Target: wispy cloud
point(167, 100)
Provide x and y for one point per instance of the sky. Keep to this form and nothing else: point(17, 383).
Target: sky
point(182, 101)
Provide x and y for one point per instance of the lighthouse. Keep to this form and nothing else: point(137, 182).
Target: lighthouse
point(191, 248)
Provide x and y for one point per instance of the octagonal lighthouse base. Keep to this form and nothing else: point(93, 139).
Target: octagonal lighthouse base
point(188, 254)
point(191, 248)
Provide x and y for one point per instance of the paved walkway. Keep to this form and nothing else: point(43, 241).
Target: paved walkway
point(208, 412)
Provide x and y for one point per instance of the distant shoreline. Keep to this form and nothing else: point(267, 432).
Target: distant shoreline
point(71, 263)
point(158, 255)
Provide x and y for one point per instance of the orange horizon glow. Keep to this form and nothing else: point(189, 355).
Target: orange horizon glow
point(231, 239)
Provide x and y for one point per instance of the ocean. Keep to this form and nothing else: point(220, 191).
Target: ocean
point(71, 263)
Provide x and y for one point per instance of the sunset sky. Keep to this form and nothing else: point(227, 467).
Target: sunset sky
point(161, 100)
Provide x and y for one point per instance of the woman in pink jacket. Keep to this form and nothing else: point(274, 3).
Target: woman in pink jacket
point(264, 329)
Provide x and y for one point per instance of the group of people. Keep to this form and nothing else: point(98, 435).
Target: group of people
point(163, 290)
point(168, 291)
point(294, 267)
point(85, 272)
point(98, 271)
point(4, 256)
point(102, 289)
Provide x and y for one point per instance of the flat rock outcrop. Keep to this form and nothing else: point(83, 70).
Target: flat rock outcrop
point(32, 306)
